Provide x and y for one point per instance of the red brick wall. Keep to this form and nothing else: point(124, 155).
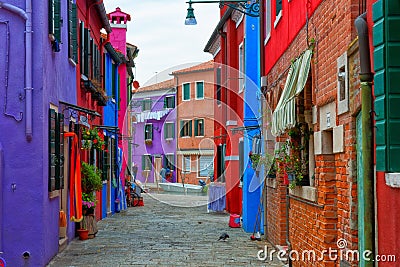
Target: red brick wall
point(318, 227)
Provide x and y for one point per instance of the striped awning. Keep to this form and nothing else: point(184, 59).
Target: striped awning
point(284, 116)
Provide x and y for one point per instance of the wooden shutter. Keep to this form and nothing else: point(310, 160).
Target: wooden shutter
point(52, 149)
point(173, 130)
point(165, 102)
point(74, 34)
point(60, 136)
point(182, 123)
point(56, 151)
point(151, 131)
point(143, 162)
point(86, 43)
point(278, 6)
point(82, 45)
point(190, 127)
point(57, 20)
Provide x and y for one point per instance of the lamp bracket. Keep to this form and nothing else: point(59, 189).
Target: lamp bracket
point(249, 7)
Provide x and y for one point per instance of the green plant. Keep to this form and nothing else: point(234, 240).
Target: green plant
point(92, 139)
point(91, 178)
point(293, 155)
point(88, 200)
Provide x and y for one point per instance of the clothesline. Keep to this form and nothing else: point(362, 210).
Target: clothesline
point(153, 115)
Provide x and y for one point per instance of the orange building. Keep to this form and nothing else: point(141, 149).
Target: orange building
point(195, 120)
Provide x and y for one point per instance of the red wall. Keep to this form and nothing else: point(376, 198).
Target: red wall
point(292, 20)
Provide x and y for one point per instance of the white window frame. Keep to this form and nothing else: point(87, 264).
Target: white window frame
point(184, 164)
point(180, 129)
point(267, 21)
point(241, 74)
point(194, 127)
point(195, 85)
point(173, 156)
point(170, 96)
point(144, 101)
point(199, 167)
point(143, 167)
point(183, 92)
point(169, 123)
point(150, 133)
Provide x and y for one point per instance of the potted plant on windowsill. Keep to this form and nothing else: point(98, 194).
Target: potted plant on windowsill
point(91, 138)
point(294, 166)
point(148, 142)
point(91, 182)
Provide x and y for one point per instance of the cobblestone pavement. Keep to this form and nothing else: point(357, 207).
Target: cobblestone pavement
point(160, 234)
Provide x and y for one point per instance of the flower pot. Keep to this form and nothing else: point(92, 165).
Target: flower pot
point(83, 234)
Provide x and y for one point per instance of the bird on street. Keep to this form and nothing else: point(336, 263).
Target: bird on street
point(223, 237)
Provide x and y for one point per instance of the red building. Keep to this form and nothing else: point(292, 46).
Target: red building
point(91, 19)
point(312, 67)
point(224, 44)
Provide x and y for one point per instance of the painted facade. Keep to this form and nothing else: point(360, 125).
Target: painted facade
point(224, 44)
point(119, 24)
point(31, 61)
point(154, 131)
point(195, 122)
point(327, 204)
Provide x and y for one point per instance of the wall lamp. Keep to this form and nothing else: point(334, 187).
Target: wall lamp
point(249, 7)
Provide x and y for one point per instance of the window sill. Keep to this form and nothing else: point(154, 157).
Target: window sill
point(271, 182)
point(305, 192)
point(72, 62)
point(185, 100)
point(199, 136)
point(185, 136)
point(199, 98)
point(54, 194)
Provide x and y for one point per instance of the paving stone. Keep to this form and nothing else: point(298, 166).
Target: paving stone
point(159, 234)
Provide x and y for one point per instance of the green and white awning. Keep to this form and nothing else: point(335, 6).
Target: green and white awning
point(284, 116)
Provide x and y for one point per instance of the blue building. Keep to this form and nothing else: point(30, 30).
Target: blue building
point(252, 139)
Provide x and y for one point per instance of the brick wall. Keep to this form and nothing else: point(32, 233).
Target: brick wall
point(318, 226)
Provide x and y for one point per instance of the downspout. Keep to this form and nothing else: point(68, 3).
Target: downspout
point(27, 16)
point(223, 167)
point(262, 60)
point(366, 78)
point(1, 194)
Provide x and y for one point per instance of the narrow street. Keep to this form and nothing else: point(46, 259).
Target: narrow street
point(160, 234)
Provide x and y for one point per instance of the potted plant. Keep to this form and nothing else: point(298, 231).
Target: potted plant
point(91, 178)
point(295, 166)
point(91, 138)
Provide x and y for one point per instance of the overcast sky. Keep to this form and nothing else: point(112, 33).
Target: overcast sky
point(157, 29)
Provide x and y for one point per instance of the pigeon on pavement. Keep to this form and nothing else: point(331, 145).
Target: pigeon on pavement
point(224, 236)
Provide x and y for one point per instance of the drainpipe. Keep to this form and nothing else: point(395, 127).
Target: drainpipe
point(27, 16)
point(1, 194)
point(366, 79)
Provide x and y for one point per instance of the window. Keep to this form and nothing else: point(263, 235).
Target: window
point(148, 131)
point(278, 7)
point(186, 164)
point(199, 90)
point(169, 161)
point(218, 89)
point(56, 149)
point(186, 91)
point(206, 166)
point(85, 49)
point(199, 127)
point(146, 162)
point(169, 101)
point(146, 104)
point(241, 75)
point(186, 128)
point(342, 84)
point(169, 130)
point(72, 32)
point(55, 22)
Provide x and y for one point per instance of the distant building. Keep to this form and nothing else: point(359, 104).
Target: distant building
point(153, 144)
point(195, 122)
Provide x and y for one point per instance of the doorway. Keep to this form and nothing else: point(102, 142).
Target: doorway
point(157, 169)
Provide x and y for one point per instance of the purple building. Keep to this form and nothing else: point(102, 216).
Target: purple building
point(154, 140)
point(38, 71)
